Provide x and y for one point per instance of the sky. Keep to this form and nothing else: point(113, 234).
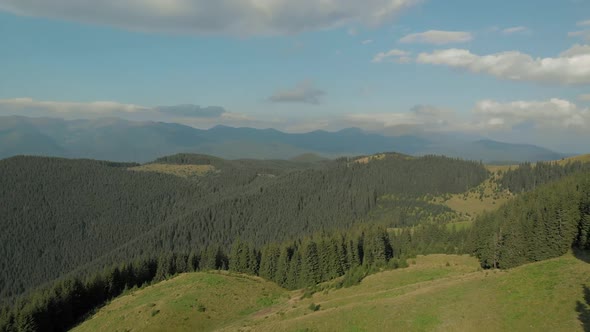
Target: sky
point(516, 71)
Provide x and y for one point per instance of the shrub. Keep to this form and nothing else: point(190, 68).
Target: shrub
point(314, 307)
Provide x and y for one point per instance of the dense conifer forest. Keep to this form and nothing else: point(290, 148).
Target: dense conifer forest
point(77, 216)
point(81, 232)
point(538, 225)
point(527, 176)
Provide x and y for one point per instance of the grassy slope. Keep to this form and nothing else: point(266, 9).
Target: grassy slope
point(432, 296)
point(184, 171)
point(188, 302)
point(485, 197)
point(438, 292)
point(585, 158)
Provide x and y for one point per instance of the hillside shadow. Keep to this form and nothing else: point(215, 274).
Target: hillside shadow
point(583, 309)
point(583, 255)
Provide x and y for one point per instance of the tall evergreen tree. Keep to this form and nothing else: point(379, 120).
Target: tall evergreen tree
point(311, 273)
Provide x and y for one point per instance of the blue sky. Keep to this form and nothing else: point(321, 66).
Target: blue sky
point(305, 65)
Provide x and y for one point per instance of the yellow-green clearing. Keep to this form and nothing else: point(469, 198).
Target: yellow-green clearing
point(488, 196)
point(584, 158)
point(436, 293)
point(184, 171)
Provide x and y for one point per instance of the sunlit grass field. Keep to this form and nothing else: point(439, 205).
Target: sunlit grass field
point(436, 293)
point(184, 171)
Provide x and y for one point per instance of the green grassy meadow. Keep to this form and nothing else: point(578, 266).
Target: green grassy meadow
point(436, 293)
point(188, 302)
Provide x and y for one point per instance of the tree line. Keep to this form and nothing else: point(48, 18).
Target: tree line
point(541, 224)
point(527, 176)
point(294, 264)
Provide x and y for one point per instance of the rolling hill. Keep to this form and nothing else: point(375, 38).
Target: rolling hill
point(437, 292)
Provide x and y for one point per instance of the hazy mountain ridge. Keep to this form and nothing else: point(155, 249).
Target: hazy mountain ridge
point(121, 140)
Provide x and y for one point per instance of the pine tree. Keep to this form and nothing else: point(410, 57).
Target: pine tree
point(253, 263)
point(193, 261)
point(294, 277)
point(269, 262)
point(165, 267)
point(283, 266)
point(210, 259)
point(238, 259)
point(310, 266)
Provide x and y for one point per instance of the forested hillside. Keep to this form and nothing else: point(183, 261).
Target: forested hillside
point(76, 216)
point(104, 227)
point(527, 176)
point(538, 225)
point(305, 262)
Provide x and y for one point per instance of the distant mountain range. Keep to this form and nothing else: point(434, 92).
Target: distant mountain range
point(121, 140)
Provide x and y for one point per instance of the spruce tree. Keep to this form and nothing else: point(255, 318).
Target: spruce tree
point(310, 266)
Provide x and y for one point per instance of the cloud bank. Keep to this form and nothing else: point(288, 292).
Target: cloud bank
point(187, 113)
point(65, 107)
point(194, 111)
point(554, 122)
point(570, 67)
point(204, 17)
point(552, 113)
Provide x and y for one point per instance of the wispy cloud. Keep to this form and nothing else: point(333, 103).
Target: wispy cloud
point(515, 30)
point(585, 23)
point(438, 37)
point(584, 34)
point(194, 111)
point(394, 55)
point(304, 92)
point(367, 41)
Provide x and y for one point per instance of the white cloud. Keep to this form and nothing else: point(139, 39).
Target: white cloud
point(438, 37)
point(584, 34)
point(556, 123)
point(367, 41)
point(583, 23)
point(233, 17)
point(514, 30)
point(304, 92)
point(395, 55)
point(576, 50)
point(571, 67)
point(552, 113)
point(584, 97)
